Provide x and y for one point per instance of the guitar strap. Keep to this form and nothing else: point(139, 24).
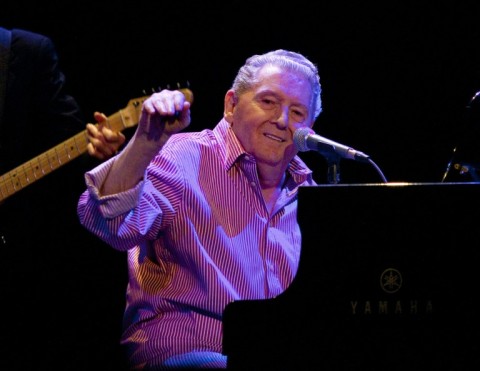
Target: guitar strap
point(5, 38)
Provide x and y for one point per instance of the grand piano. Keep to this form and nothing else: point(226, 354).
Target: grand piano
point(388, 279)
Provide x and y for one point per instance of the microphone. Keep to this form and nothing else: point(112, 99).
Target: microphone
point(305, 139)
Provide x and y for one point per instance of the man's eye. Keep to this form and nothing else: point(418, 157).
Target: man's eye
point(267, 103)
point(298, 114)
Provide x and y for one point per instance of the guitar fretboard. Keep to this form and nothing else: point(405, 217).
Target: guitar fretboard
point(35, 169)
point(52, 159)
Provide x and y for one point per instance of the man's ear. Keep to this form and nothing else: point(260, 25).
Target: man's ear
point(229, 106)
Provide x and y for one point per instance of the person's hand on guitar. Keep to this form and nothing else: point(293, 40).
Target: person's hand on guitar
point(103, 141)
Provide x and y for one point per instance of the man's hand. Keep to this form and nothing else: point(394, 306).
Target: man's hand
point(164, 114)
point(103, 142)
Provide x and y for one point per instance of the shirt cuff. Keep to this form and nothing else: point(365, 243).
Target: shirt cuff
point(115, 204)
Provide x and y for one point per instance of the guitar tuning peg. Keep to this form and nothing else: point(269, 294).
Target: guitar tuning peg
point(168, 86)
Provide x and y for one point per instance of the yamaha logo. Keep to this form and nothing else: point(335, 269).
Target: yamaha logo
point(390, 280)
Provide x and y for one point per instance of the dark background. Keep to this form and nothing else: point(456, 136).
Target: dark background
point(396, 79)
point(396, 75)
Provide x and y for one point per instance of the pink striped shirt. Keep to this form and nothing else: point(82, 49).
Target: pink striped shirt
point(198, 236)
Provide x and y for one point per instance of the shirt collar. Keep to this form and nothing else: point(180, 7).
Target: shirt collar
point(233, 151)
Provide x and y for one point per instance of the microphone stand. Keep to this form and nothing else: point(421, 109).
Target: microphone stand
point(333, 172)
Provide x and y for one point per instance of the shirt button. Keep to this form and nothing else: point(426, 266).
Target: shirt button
point(252, 184)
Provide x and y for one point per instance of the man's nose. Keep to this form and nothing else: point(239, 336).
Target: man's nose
point(282, 115)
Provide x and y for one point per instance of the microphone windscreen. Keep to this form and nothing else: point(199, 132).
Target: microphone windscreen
point(300, 138)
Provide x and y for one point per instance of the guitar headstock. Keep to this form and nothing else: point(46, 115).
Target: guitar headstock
point(131, 113)
point(184, 88)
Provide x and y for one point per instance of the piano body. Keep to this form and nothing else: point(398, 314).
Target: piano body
point(388, 279)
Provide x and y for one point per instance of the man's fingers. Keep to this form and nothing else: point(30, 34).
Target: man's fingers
point(113, 136)
point(99, 116)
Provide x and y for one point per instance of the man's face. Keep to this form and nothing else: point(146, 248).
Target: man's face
point(265, 118)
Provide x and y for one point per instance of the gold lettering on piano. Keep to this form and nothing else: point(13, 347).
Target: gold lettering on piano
point(391, 307)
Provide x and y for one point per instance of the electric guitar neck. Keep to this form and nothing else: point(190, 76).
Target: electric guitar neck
point(54, 158)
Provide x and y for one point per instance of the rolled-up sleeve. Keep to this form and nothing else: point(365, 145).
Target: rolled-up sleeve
point(128, 218)
point(110, 206)
point(104, 215)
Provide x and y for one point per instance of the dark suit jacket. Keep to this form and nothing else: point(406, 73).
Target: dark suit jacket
point(49, 261)
point(38, 222)
point(38, 111)
point(38, 114)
